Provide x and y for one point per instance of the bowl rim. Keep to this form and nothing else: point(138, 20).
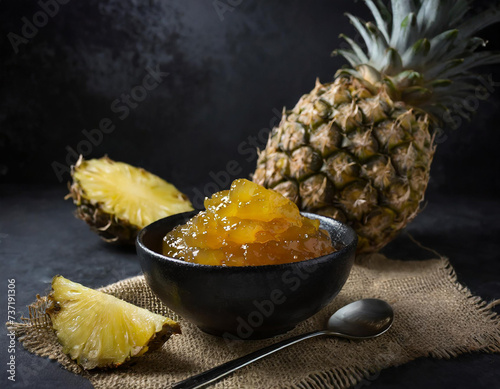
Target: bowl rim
point(140, 245)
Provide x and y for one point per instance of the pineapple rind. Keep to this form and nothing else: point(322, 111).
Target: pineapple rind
point(99, 330)
point(372, 158)
point(117, 200)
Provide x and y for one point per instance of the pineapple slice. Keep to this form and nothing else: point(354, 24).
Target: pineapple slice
point(117, 200)
point(99, 330)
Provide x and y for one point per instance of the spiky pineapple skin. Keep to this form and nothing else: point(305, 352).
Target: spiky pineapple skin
point(110, 228)
point(349, 151)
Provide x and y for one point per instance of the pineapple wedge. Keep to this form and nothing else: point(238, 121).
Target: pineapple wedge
point(117, 200)
point(99, 330)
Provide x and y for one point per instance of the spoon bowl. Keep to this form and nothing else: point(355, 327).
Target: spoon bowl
point(362, 319)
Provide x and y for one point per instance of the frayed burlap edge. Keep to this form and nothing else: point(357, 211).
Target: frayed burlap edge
point(36, 335)
point(347, 378)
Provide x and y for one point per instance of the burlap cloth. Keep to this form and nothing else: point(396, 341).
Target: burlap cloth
point(435, 316)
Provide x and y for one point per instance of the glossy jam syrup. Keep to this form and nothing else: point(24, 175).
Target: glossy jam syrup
point(247, 225)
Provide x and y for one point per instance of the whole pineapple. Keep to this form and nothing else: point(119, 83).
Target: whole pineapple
point(360, 149)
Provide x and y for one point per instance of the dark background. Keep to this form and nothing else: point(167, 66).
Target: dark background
point(226, 80)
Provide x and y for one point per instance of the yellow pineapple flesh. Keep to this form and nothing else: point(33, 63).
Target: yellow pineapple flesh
point(117, 199)
point(99, 330)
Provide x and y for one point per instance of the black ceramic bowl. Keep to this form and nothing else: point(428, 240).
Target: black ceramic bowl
point(245, 302)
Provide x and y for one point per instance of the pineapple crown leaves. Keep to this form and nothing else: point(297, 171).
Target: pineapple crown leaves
point(422, 50)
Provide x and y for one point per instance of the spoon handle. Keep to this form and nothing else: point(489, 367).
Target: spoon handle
point(212, 375)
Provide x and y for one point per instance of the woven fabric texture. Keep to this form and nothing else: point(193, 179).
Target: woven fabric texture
point(435, 316)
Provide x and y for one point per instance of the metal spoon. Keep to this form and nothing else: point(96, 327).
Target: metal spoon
point(362, 319)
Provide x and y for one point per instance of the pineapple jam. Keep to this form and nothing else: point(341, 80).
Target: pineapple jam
point(247, 225)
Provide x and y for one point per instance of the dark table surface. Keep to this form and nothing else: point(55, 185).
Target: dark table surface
point(39, 238)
